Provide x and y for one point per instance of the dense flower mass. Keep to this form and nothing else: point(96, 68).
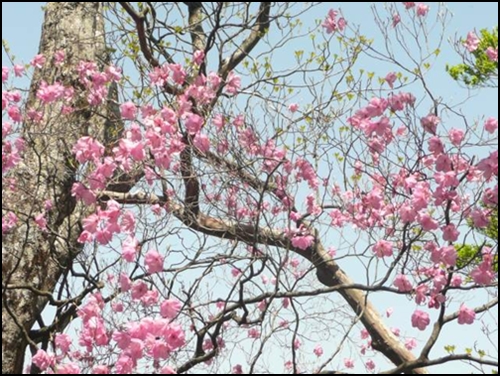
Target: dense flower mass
point(205, 224)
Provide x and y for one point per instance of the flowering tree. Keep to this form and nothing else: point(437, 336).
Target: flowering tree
point(178, 197)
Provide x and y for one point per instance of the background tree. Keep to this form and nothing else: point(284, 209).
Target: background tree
point(194, 212)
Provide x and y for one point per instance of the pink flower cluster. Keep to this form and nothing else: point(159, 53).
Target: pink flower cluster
point(332, 24)
point(102, 225)
point(149, 338)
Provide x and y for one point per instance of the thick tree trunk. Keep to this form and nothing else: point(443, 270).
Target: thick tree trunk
point(33, 261)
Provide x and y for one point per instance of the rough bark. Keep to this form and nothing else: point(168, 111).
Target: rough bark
point(32, 260)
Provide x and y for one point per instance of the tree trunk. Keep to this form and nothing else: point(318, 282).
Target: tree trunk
point(34, 261)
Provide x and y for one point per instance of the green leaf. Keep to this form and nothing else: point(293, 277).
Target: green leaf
point(450, 349)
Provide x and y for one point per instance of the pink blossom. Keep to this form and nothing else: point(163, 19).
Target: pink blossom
point(95, 332)
point(41, 221)
point(489, 166)
point(428, 223)
point(170, 308)
point(63, 342)
point(128, 110)
point(139, 289)
point(85, 237)
point(91, 223)
point(389, 311)
point(253, 333)
point(174, 336)
point(449, 256)
point(377, 146)
point(422, 9)
point(18, 70)
point(202, 142)
point(48, 205)
point(312, 207)
point(113, 73)
point(450, 233)
point(154, 261)
point(214, 80)
point(457, 136)
point(318, 350)
point(68, 369)
point(370, 365)
point(466, 315)
point(408, 213)
point(411, 344)
point(118, 307)
point(167, 370)
point(286, 303)
point(480, 218)
point(87, 149)
point(430, 123)
point(402, 283)
point(349, 363)
point(491, 125)
point(303, 242)
point(396, 19)
point(129, 249)
point(331, 24)
point(136, 346)
point(157, 347)
point(233, 83)
point(294, 216)
point(383, 248)
point(100, 370)
point(199, 57)
point(342, 23)
point(219, 121)
point(43, 360)
point(365, 334)
point(262, 306)
point(376, 107)
point(15, 114)
point(472, 42)
point(128, 222)
point(124, 364)
point(447, 180)
point(307, 172)
point(178, 73)
point(38, 61)
point(444, 163)
point(492, 54)
point(239, 121)
point(50, 93)
point(235, 272)
point(5, 74)
point(483, 275)
point(293, 107)
point(436, 146)
point(409, 5)
point(237, 370)
point(456, 280)
point(391, 79)
point(421, 294)
point(59, 57)
point(104, 235)
point(122, 339)
point(297, 343)
point(420, 320)
point(193, 123)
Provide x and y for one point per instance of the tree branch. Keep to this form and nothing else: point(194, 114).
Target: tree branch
point(259, 29)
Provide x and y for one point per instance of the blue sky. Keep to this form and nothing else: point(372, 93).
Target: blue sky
point(21, 25)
